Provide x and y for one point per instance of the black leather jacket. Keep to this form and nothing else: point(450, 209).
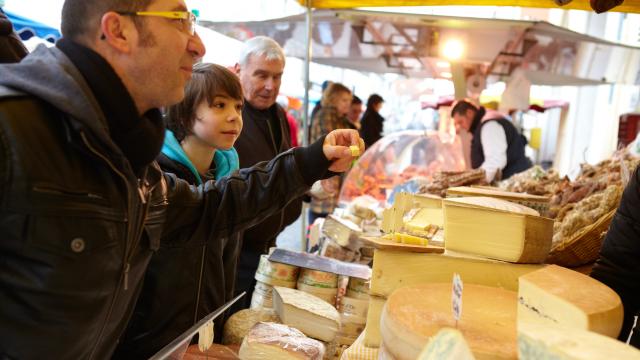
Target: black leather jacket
point(78, 228)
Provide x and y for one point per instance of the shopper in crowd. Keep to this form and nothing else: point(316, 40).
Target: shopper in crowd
point(83, 203)
point(316, 108)
point(619, 264)
point(11, 48)
point(372, 122)
point(354, 113)
point(336, 101)
point(496, 145)
point(198, 147)
point(265, 135)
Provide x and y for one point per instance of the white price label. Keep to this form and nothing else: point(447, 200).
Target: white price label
point(456, 297)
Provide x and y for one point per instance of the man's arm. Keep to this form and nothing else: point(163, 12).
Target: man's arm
point(244, 199)
point(494, 146)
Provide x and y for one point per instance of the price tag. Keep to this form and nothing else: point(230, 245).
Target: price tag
point(205, 336)
point(456, 297)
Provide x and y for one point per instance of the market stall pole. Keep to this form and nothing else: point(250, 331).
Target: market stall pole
point(305, 114)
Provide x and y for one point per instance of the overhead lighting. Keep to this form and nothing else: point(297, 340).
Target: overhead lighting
point(453, 49)
point(446, 75)
point(443, 64)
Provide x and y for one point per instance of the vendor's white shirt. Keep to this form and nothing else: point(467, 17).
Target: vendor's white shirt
point(494, 147)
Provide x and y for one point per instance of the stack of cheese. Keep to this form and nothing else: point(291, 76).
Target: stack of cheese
point(396, 269)
point(314, 317)
point(276, 341)
point(353, 311)
point(268, 275)
point(319, 283)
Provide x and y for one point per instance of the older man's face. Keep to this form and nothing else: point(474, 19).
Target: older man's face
point(261, 79)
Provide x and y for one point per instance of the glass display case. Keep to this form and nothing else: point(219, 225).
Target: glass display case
point(400, 160)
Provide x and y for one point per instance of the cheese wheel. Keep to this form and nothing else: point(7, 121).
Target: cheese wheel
point(318, 278)
point(558, 296)
point(278, 341)
point(412, 315)
point(354, 307)
point(276, 274)
point(239, 324)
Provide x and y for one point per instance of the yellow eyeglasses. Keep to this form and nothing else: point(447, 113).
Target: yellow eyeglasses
point(187, 19)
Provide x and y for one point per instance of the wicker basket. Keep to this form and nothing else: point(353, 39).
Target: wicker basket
point(584, 246)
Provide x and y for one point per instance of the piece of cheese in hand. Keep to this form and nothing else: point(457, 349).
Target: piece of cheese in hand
point(553, 342)
point(413, 315)
point(557, 295)
point(311, 315)
point(279, 342)
point(355, 150)
point(448, 344)
point(496, 229)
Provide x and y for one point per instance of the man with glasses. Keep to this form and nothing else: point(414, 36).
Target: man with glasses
point(83, 205)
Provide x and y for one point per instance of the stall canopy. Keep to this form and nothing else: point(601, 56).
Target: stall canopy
point(626, 6)
point(27, 28)
point(413, 45)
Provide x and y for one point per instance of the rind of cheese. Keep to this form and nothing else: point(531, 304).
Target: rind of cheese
point(413, 315)
point(496, 234)
point(394, 269)
point(492, 203)
point(372, 337)
point(552, 342)
point(557, 295)
point(239, 324)
point(276, 341)
point(448, 344)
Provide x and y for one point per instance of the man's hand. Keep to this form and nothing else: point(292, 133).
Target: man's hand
point(336, 148)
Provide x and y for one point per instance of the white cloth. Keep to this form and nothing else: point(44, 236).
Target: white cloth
point(494, 147)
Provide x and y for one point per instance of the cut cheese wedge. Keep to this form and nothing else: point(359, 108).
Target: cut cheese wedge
point(549, 342)
point(311, 315)
point(448, 344)
point(496, 229)
point(395, 269)
point(556, 295)
point(413, 315)
point(279, 342)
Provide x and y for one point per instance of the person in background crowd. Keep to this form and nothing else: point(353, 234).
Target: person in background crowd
point(372, 122)
point(11, 48)
point(336, 101)
point(265, 135)
point(83, 203)
point(198, 147)
point(354, 112)
point(316, 108)
point(618, 266)
point(496, 145)
point(283, 101)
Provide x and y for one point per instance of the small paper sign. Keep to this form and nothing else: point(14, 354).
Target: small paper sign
point(205, 336)
point(456, 297)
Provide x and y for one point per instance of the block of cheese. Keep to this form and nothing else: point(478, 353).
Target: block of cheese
point(344, 232)
point(557, 295)
point(448, 344)
point(395, 269)
point(553, 342)
point(413, 315)
point(311, 315)
point(372, 337)
point(239, 324)
point(496, 229)
point(393, 218)
point(276, 341)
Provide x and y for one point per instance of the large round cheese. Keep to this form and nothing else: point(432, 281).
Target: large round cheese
point(277, 341)
point(239, 324)
point(412, 315)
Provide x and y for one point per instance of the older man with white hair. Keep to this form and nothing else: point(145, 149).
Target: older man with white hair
point(265, 134)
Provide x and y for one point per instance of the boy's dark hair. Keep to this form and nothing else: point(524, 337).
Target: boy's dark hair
point(207, 82)
point(81, 18)
point(373, 100)
point(356, 100)
point(462, 106)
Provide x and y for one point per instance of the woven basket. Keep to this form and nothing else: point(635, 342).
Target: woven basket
point(584, 246)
